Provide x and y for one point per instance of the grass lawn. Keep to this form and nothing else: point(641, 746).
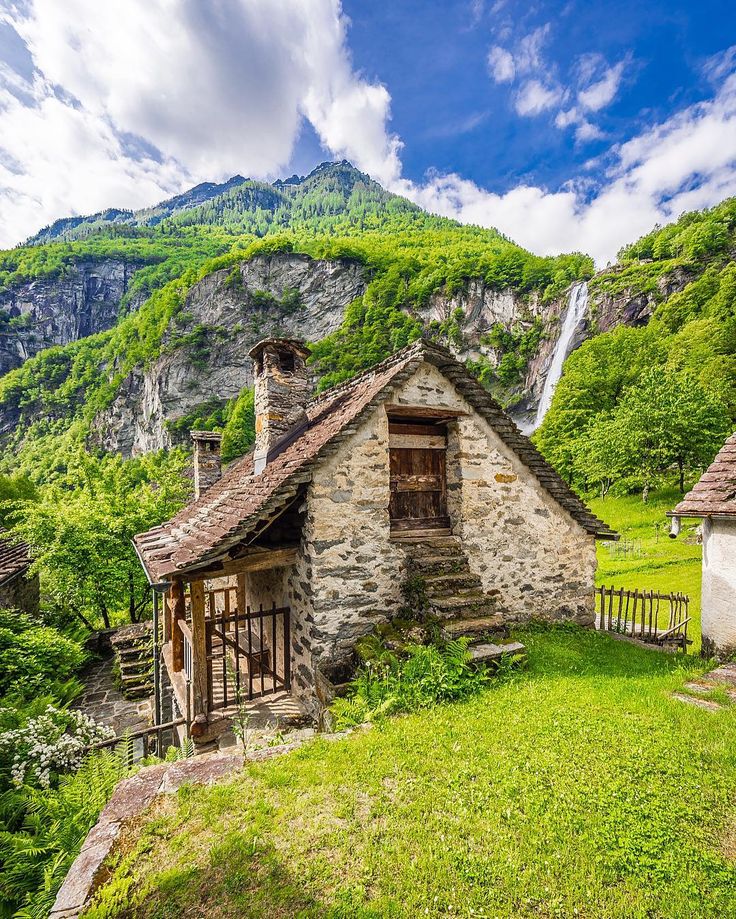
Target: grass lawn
point(662, 563)
point(575, 788)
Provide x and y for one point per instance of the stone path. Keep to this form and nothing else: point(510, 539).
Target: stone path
point(104, 702)
point(723, 678)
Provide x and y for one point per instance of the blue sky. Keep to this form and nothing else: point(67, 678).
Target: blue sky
point(566, 125)
point(453, 116)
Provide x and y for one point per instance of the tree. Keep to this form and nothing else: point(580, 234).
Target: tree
point(666, 421)
point(81, 531)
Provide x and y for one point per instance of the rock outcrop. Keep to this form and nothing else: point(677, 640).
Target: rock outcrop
point(205, 352)
point(58, 310)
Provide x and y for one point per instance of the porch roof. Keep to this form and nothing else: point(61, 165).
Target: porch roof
point(14, 558)
point(207, 529)
point(715, 493)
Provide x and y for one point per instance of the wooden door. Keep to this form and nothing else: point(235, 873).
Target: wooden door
point(417, 455)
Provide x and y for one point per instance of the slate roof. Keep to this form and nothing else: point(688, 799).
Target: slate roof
point(14, 558)
point(237, 503)
point(715, 493)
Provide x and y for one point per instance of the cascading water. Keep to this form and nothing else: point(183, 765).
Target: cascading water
point(577, 303)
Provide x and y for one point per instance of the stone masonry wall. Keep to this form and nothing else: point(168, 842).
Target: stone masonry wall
point(353, 571)
point(517, 538)
point(20, 593)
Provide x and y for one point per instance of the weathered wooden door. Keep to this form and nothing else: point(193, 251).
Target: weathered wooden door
point(417, 455)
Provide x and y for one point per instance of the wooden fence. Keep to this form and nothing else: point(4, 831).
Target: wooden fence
point(639, 614)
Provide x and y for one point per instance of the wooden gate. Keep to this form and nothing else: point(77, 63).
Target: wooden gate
point(248, 653)
point(417, 456)
point(645, 614)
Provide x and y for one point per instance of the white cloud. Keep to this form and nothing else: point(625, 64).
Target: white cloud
point(212, 89)
point(602, 92)
point(688, 162)
point(534, 97)
point(501, 64)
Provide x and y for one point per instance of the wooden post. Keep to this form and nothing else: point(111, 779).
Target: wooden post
point(178, 611)
point(199, 650)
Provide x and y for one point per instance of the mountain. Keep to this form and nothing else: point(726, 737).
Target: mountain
point(70, 228)
point(150, 319)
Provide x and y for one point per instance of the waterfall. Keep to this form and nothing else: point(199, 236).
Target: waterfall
point(577, 303)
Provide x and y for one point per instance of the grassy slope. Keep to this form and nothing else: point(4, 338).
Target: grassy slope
point(660, 563)
point(577, 788)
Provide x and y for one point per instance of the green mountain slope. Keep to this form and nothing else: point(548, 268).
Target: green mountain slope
point(686, 273)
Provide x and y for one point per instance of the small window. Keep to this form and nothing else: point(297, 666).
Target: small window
point(286, 361)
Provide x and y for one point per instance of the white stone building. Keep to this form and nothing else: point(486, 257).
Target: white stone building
point(303, 546)
point(714, 499)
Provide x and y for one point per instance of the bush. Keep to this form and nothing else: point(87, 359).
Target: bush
point(34, 658)
point(427, 675)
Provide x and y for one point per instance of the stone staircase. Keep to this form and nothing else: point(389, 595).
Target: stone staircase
point(455, 595)
point(133, 648)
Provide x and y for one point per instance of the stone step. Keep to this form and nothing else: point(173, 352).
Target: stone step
point(473, 628)
point(450, 585)
point(707, 704)
point(467, 600)
point(489, 653)
point(725, 674)
point(449, 545)
point(428, 565)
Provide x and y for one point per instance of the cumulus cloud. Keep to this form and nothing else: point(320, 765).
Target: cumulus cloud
point(208, 89)
point(127, 102)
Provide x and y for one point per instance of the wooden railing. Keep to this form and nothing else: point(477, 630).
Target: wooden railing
point(637, 613)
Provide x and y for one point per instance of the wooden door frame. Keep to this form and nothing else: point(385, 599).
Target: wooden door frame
point(423, 434)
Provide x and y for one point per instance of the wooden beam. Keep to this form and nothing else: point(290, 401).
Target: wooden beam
point(424, 411)
point(177, 606)
point(417, 442)
point(256, 560)
point(199, 650)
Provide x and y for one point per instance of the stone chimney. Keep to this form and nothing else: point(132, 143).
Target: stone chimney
point(207, 460)
point(283, 387)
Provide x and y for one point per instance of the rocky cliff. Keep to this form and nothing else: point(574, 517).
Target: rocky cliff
point(59, 310)
point(205, 354)
point(204, 359)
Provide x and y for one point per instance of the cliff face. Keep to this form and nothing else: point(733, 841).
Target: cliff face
point(57, 311)
point(204, 360)
point(205, 354)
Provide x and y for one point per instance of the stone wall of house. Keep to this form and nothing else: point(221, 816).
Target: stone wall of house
point(20, 593)
point(719, 587)
point(517, 538)
point(352, 571)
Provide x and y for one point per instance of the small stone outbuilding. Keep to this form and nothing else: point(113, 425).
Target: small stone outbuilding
point(714, 500)
point(18, 589)
point(303, 546)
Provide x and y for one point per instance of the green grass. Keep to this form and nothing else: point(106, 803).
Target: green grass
point(667, 565)
point(575, 788)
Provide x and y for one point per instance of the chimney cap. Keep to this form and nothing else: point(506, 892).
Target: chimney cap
point(291, 344)
point(198, 436)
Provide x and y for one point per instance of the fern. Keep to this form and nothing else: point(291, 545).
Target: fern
point(427, 675)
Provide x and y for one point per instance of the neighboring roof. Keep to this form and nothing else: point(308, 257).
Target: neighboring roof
point(293, 344)
point(14, 558)
point(238, 502)
point(715, 493)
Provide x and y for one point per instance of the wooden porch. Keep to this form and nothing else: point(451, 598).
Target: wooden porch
point(223, 654)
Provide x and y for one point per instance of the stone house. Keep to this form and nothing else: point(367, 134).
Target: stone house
point(18, 590)
point(714, 500)
point(302, 547)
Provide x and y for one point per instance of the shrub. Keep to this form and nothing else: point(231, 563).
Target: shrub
point(427, 675)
